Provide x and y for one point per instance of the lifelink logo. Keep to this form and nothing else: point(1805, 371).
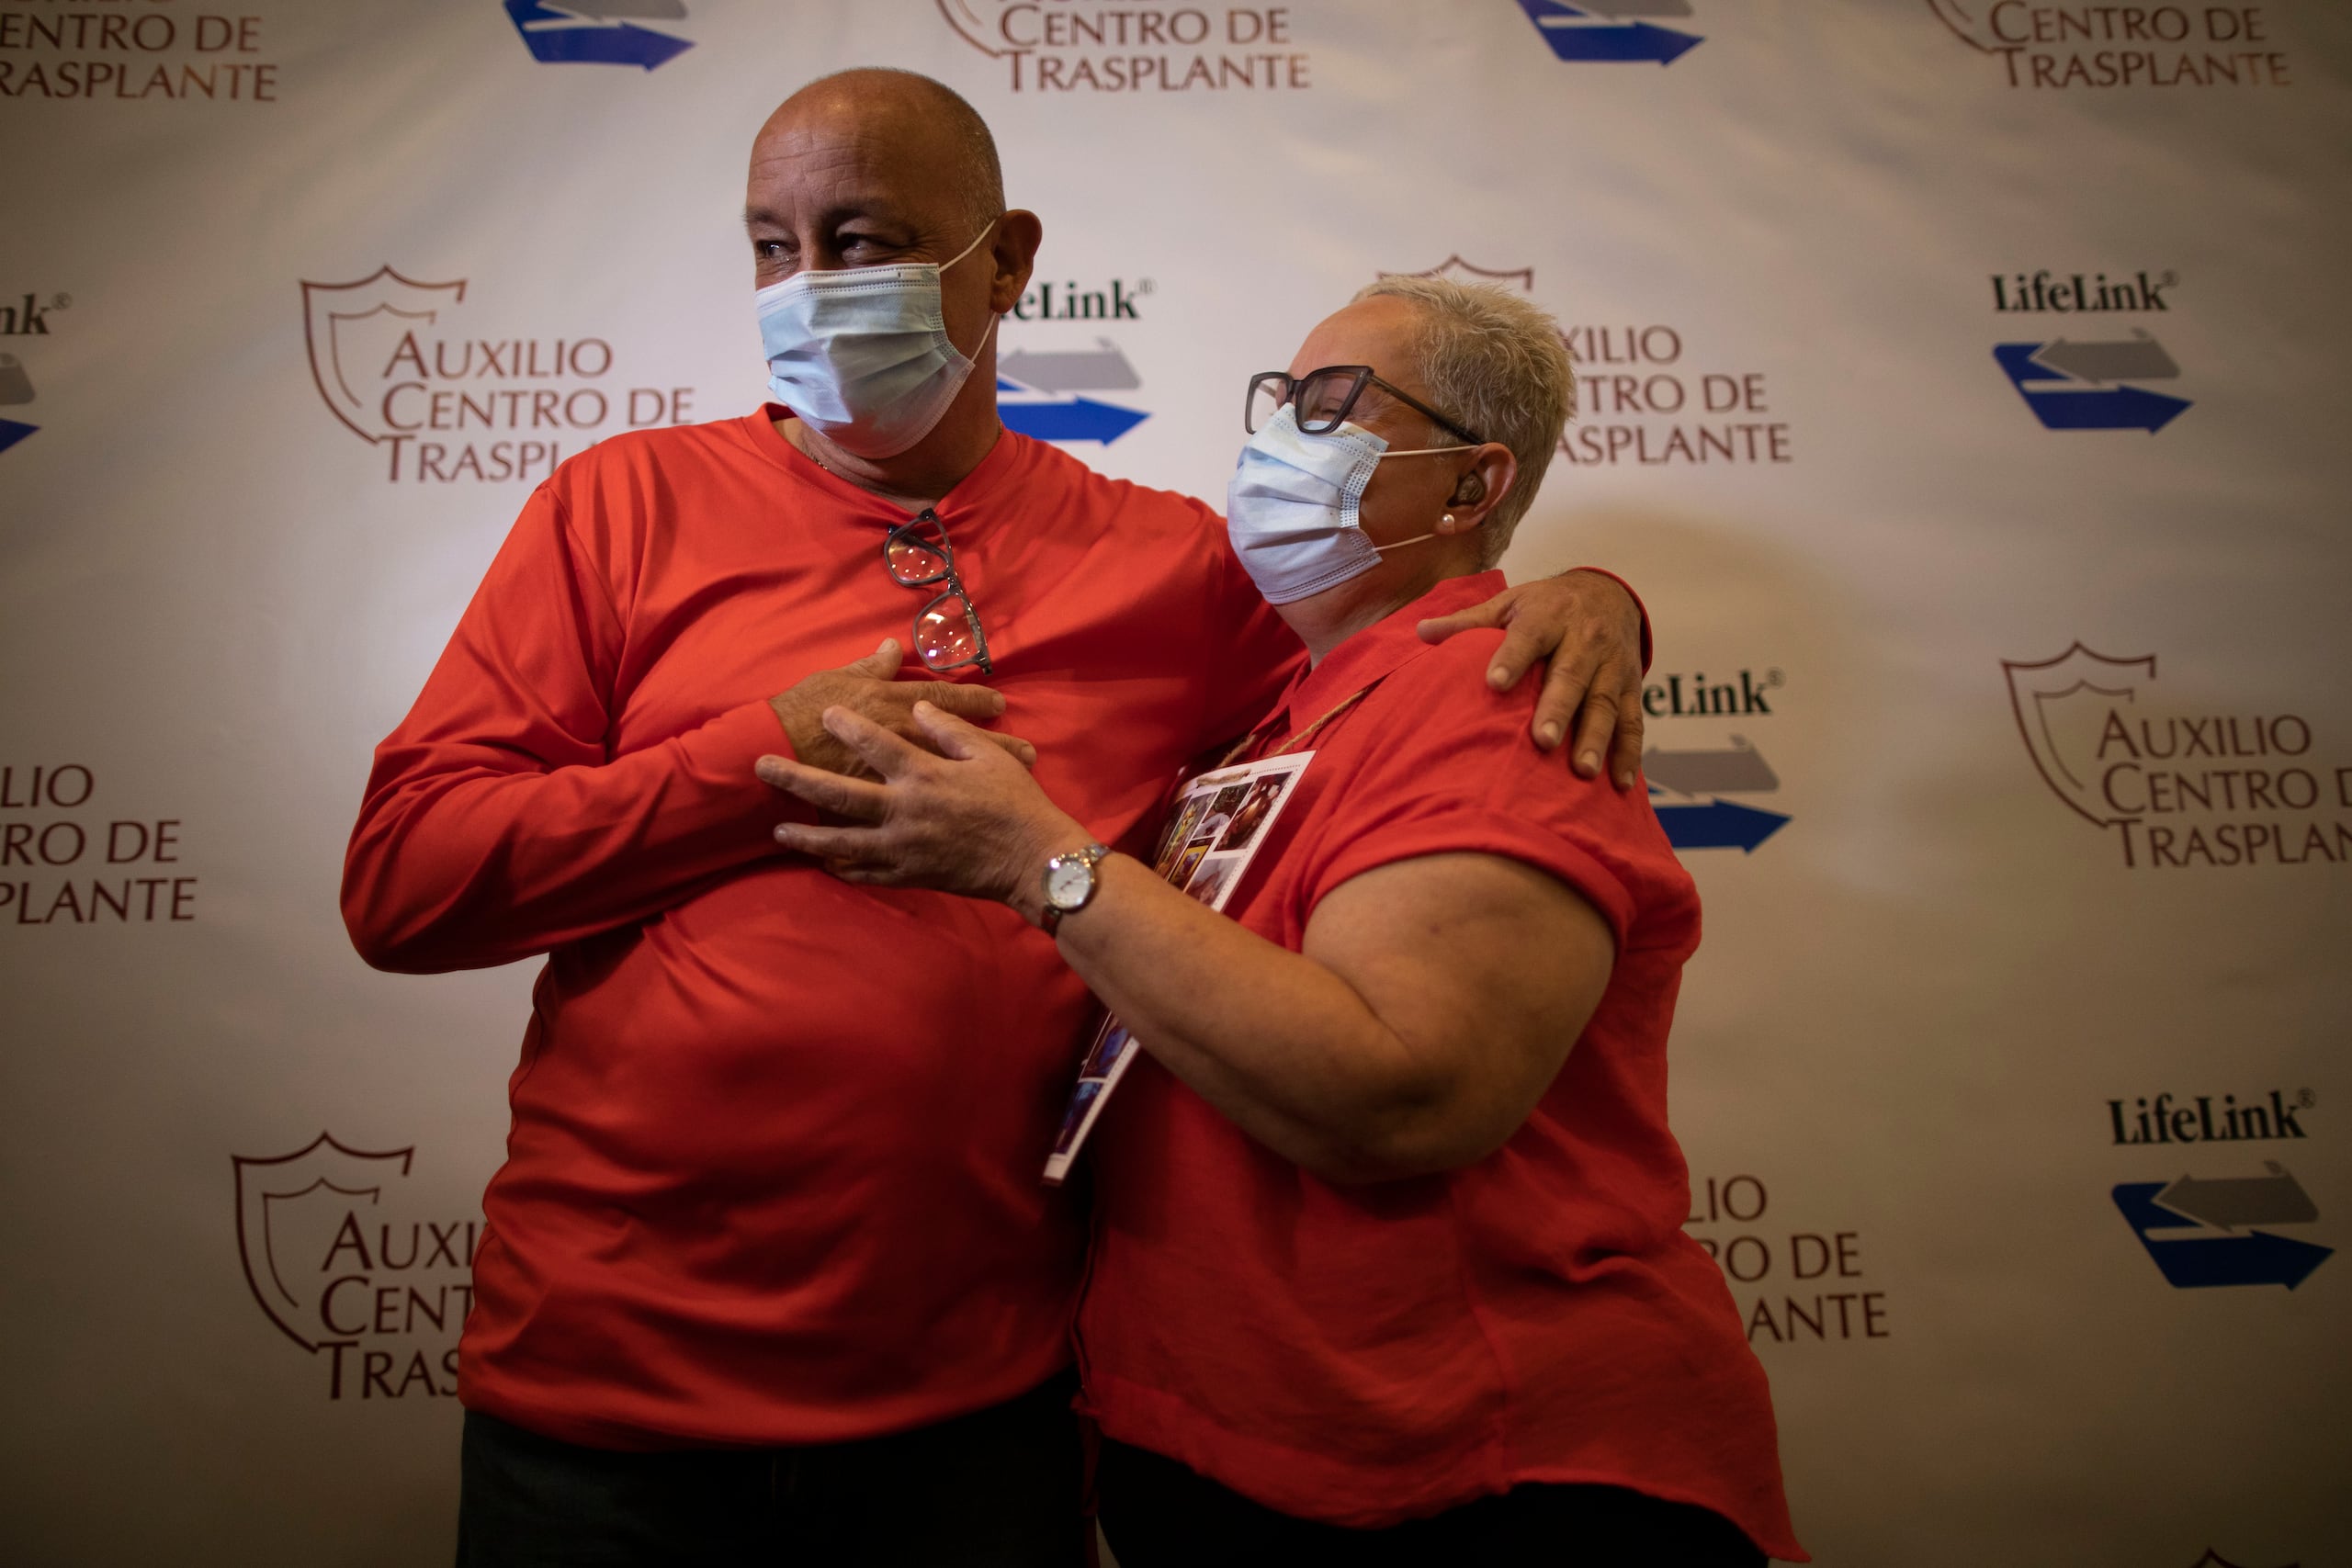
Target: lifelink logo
point(1612, 31)
point(1680, 696)
point(2041, 291)
point(1114, 301)
point(1692, 782)
point(598, 32)
point(2219, 1228)
point(24, 318)
point(2200, 1120)
point(2089, 381)
point(30, 319)
point(1044, 379)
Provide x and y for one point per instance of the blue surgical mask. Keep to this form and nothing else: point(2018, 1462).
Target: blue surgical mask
point(862, 353)
point(1291, 510)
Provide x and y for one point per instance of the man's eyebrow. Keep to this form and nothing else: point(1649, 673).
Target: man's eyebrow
point(833, 218)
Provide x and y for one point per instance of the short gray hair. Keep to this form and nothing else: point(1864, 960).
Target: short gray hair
point(1497, 362)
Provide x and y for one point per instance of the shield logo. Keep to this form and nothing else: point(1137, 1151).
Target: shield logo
point(2064, 707)
point(1455, 269)
point(1969, 19)
point(970, 28)
point(353, 330)
point(290, 1211)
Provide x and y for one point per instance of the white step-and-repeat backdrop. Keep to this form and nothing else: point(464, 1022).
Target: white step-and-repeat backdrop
point(1964, 386)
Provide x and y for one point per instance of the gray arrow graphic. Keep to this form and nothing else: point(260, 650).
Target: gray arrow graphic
point(1102, 369)
point(1637, 7)
point(1740, 770)
point(15, 386)
point(2131, 359)
point(2232, 1203)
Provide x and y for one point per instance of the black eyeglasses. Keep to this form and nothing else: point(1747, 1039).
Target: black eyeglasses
point(947, 630)
point(1324, 399)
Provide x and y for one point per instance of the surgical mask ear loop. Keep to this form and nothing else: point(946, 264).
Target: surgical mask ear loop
point(1416, 452)
point(994, 316)
point(985, 230)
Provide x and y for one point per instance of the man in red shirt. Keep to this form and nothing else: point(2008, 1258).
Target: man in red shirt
point(768, 1268)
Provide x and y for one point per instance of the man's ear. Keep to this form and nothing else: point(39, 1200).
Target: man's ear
point(1015, 249)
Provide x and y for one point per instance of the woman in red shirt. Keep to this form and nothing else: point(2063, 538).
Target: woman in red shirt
point(1387, 1257)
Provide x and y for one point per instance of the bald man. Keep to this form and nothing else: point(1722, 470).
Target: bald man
point(769, 1274)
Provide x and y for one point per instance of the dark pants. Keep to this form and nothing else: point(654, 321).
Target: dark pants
point(1157, 1514)
point(1000, 1488)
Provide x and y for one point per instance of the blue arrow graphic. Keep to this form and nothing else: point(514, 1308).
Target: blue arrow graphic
point(563, 39)
point(2188, 1263)
point(1606, 40)
point(11, 433)
point(1718, 825)
point(1079, 419)
point(2118, 408)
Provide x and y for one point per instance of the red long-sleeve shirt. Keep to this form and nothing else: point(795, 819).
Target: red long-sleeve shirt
point(771, 1176)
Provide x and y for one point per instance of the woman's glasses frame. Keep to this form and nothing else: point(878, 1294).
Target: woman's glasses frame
point(1317, 384)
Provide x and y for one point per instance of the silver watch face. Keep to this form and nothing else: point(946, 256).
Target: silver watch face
point(1068, 881)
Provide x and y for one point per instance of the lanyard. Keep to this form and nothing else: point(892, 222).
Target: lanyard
point(1304, 736)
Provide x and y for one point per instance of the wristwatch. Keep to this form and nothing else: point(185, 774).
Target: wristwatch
point(1070, 885)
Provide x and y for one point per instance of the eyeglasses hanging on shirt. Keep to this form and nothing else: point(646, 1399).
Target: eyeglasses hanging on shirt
point(947, 633)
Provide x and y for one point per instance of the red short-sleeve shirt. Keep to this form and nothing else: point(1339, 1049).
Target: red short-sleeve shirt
point(1363, 1355)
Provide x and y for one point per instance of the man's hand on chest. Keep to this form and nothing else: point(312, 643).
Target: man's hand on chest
point(869, 688)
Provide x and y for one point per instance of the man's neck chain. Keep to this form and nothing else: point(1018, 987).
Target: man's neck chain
point(808, 449)
point(807, 445)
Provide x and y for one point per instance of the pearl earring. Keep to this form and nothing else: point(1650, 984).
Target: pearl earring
point(1449, 518)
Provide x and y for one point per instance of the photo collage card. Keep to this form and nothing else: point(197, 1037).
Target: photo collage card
point(1217, 826)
